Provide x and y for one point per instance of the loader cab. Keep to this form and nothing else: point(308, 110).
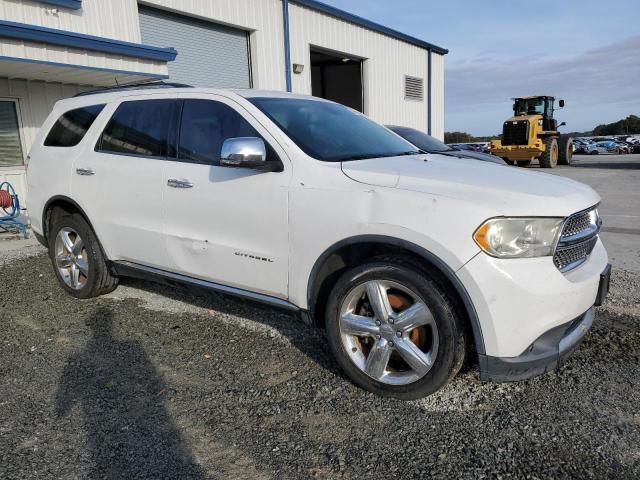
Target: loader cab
point(541, 105)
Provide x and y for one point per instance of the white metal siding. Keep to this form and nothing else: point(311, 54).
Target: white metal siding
point(437, 96)
point(263, 18)
point(209, 55)
point(104, 18)
point(74, 56)
point(35, 101)
point(387, 61)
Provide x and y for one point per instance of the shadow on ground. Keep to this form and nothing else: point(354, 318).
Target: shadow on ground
point(120, 394)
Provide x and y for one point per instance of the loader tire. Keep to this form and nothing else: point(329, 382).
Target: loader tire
point(549, 158)
point(565, 145)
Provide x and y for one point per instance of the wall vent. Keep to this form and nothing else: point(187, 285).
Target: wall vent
point(413, 88)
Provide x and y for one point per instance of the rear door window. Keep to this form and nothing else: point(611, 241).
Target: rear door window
point(71, 127)
point(143, 128)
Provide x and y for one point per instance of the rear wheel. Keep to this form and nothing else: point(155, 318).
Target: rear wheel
point(77, 257)
point(549, 158)
point(393, 330)
point(565, 145)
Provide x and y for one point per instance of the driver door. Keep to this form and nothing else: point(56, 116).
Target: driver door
point(222, 224)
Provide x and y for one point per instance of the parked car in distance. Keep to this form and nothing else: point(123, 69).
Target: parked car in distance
point(405, 259)
point(429, 144)
point(602, 147)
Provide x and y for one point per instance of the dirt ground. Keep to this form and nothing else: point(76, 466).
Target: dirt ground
point(158, 382)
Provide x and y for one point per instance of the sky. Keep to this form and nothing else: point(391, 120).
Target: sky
point(584, 51)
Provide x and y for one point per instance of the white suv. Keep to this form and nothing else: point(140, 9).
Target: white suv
point(410, 261)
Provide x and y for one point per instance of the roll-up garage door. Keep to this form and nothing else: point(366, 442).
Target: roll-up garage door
point(209, 55)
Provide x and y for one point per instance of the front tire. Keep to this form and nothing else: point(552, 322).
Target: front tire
point(549, 158)
point(77, 257)
point(394, 330)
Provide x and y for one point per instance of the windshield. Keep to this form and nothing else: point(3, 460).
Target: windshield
point(529, 106)
point(331, 132)
point(421, 140)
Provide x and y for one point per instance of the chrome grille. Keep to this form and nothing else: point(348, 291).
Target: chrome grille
point(577, 223)
point(578, 237)
point(571, 256)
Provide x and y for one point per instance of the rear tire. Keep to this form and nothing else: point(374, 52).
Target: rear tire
point(443, 337)
point(77, 257)
point(565, 145)
point(549, 158)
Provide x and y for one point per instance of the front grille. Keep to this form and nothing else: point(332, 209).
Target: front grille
point(577, 223)
point(515, 133)
point(579, 236)
point(571, 256)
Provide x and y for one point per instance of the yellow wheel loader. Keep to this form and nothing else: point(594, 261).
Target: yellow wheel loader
point(532, 133)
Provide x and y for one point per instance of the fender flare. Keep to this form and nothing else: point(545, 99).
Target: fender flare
point(425, 254)
point(66, 199)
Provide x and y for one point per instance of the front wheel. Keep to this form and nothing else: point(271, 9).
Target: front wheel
point(394, 330)
point(549, 158)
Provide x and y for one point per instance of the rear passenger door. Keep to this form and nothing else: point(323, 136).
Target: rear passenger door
point(226, 225)
point(119, 179)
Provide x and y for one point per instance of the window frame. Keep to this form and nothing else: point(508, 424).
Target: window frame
point(98, 145)
point(23, 145)
point(253, 124)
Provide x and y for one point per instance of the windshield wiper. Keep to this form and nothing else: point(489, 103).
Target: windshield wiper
point(365, 156)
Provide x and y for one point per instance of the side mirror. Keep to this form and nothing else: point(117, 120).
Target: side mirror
point(243, 152)
point(563, 123)
point(561, 103)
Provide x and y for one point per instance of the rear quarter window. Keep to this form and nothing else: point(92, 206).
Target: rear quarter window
point(72, 126)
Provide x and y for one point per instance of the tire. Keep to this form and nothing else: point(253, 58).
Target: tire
point(524, 163)
point(443, 338)
point(73, 247)
point(509, 162)
point(593, 152)
point(565, 145)
point(549, 158)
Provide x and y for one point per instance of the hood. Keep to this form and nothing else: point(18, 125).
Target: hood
point(507, 190)
point(485, 157)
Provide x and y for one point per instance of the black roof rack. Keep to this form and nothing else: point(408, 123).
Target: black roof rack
point(134, 86)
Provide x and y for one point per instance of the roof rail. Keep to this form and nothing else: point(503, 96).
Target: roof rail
point(133, 86)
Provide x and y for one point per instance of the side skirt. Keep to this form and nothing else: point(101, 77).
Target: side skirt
point(134, 270)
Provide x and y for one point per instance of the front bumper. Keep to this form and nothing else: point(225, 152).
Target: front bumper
point(518, 300)
point(545, 354)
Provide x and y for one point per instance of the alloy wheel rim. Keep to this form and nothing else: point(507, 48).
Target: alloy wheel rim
point(388, 332)
point(71, 258)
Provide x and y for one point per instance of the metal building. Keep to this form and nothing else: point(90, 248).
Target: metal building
point(52, 49)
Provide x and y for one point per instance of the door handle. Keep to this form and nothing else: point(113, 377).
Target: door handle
point(85, 171)
point(175, 183)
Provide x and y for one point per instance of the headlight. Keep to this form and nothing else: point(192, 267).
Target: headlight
point(518, 237)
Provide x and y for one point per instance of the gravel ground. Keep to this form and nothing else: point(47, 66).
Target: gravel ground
point(157, 382)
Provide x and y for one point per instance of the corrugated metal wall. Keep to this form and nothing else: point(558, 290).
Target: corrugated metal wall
point(211, 55)
point(387, 61)
point(35, 101)
point(263, 18)
point(104, 18)
point(75, 56)
point(437, 96)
